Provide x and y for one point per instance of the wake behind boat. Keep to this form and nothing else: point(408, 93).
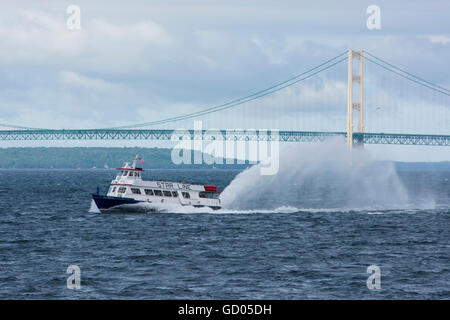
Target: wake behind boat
point(128, 189)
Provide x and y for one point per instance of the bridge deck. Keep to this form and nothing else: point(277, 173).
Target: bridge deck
point(237, 135)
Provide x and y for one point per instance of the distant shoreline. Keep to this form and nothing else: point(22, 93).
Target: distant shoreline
point(399, 166)
point(108, 158)
point(114, 169)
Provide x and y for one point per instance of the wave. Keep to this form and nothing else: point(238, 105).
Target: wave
point(178, 209)
point(93, 208)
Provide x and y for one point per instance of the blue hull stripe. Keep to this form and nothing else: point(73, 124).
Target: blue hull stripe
point(105, 202)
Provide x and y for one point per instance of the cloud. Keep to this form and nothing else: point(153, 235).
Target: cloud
point(144, 32)
point(38, 38)
point(76, 80)
point(34, 37)
point(157, 59)
point(437, 38)
point(273, 58)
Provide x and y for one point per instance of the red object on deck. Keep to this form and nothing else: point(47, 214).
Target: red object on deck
point(210, 188)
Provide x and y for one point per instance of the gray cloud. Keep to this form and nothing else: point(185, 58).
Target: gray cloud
point(151, 60)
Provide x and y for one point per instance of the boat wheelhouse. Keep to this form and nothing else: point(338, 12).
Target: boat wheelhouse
point(128, 188)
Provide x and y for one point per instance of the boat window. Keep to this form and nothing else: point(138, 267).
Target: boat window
point(148, 192)
point(167, 193)
point(113, 189)
point(125, 173)
point(135, 190)
point(122, 189)
point(158, 193)
point(175, 193)
point(209, 195)
point(186, 195)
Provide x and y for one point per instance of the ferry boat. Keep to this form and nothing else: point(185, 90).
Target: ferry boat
point(128, 190)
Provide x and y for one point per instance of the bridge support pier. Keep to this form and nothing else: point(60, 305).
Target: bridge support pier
point(359, 106)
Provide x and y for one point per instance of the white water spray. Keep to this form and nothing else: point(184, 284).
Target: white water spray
point(93, 208)
point(320, 176)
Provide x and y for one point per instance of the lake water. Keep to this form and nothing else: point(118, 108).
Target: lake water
point(302, 236)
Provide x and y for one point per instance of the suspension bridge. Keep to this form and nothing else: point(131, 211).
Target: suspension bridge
point(291, 106)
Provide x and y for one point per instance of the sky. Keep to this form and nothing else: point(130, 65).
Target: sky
point(138, 61)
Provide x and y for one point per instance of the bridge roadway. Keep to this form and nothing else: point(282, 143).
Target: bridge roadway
point(236, 135)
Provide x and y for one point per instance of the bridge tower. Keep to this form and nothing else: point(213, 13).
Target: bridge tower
point(355, 105)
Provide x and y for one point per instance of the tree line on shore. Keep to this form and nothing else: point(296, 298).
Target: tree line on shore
point(88, 157)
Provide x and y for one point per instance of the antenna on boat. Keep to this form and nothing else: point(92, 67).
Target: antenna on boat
point(134, 161)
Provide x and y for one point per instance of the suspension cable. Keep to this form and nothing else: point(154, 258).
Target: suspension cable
point(245, 99)
point(408, 75)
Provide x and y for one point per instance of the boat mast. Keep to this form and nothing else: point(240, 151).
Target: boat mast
point(134, 161)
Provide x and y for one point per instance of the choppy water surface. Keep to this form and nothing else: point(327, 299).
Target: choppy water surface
point(308, 234)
